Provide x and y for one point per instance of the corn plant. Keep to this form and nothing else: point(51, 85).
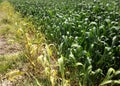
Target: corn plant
point(85, 33)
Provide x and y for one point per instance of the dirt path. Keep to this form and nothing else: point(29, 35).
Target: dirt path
point(5, 47)
point(2, 40)
point(8, 48)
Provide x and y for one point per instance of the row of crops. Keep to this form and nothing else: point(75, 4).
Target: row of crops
point(84, 32)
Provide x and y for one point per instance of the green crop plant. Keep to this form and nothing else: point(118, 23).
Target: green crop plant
point(86, 35)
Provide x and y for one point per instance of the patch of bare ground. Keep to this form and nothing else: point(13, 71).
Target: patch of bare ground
point(8, 49)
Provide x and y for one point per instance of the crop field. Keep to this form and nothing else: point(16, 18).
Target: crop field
point(81, 40)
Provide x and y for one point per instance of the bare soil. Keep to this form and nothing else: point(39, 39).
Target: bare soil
point(7, 48)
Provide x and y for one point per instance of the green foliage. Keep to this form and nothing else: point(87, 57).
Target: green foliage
point(87, 35)
point(0, 1)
